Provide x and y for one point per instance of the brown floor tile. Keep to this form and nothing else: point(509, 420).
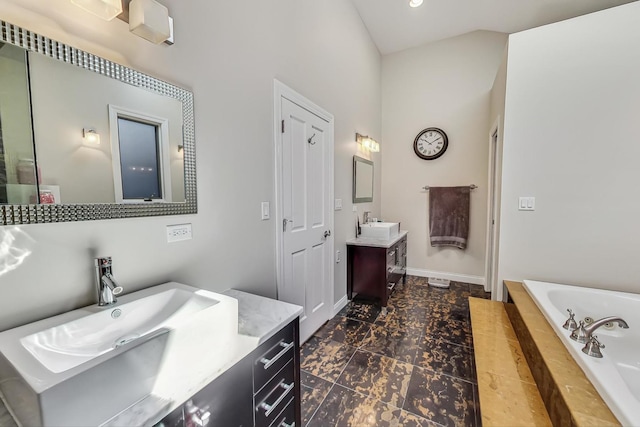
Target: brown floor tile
point(441, 356)
point(347, 408)
point(363, 366)
point(407, 419)
point(440, 398)
point(377, 376)
point(411, 320)
point(325, 358)
point(396, 343)
point(344, 330)
point(314, 390)
point(450, 330)
point(363, 311)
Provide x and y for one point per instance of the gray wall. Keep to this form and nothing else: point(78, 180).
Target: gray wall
point(571, 141)
point(228, 53)
point(444, 84)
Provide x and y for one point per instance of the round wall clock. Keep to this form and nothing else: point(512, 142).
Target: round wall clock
point(430, 143)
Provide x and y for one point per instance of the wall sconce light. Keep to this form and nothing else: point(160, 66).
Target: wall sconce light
point(90, 136)
point(368, 143)
point(105, 9)
point(146, 18)
point(149, 20)
point(415, 3)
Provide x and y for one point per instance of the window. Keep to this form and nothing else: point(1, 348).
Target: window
point(139, 144)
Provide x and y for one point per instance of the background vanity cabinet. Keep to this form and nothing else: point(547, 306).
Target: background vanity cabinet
point(375, 267)
point(261, 390)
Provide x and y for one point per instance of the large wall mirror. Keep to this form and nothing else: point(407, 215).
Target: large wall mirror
point(83, 138)
point(362, 180)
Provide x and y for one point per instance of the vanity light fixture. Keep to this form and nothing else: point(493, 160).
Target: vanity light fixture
point(90, 136)
point(149, 20)
point(415, 3)
point(367, 143)
point(105, 9)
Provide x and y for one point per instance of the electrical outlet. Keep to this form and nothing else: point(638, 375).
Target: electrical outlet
point(178, 232)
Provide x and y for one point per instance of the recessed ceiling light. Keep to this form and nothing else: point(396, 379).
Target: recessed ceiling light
point(415, 3)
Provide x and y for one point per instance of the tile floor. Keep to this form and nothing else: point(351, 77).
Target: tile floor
point(412, 367)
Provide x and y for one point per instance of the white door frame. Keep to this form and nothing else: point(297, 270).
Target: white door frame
point(493, 207)
point(280, 90)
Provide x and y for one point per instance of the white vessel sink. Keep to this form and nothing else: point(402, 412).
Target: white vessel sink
point(380, 230)
point(85, 366)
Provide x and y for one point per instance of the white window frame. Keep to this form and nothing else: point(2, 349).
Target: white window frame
point(162, 124)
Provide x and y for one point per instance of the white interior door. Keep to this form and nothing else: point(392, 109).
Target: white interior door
point(306, 191)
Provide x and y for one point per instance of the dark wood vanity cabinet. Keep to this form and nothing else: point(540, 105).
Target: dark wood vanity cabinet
point(374, 271)
point(261, 390)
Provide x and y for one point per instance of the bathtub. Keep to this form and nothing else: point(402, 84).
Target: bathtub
point(617, 375)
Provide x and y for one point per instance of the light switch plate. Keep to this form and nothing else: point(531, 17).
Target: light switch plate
point(338, 204)
point(355, 208)
point(178, 232)
point(338, 256)
point(527, 204)
point(265, 210)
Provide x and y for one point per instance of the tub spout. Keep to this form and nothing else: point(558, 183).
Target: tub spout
point(583, 333)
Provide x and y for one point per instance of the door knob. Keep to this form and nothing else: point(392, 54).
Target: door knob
point(327, 233)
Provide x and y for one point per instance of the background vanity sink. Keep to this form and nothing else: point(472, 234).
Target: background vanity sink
point(380, 230)
point(85, 366)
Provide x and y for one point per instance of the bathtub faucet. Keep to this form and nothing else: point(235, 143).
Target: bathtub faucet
point(583, 334)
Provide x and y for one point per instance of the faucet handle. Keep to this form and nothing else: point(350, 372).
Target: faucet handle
point(579, 334)
point(592, 348)
point(570, 324)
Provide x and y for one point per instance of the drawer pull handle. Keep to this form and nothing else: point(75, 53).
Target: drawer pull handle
point(390, 286)
point(269, 408)
point(390, 270)
point(268, 362)
point(284, 424)
point(392, 253)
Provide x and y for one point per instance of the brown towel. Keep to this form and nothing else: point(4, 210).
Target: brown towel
point(449, 216)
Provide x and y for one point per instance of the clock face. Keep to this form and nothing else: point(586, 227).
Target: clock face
point(431, 143)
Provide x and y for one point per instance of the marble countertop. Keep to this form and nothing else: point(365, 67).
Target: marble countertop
point(259, 318)
point(376, 243)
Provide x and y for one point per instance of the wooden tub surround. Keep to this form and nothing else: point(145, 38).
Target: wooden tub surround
point(569, 397)
point(507, 390)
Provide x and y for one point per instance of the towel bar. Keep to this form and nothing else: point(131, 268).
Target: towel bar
point(472, 186)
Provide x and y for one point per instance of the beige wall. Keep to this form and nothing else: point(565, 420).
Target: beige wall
point(15, 115)
point(571, 141)
point(228, 53)
point(65, 99)
point(445, 84)
point(494, 183)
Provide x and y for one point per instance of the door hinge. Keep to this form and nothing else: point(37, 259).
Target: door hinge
point(282, 126)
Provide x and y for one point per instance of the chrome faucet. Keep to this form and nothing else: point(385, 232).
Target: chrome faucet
point(366, 217)
point(583, 334)
point(107, 286)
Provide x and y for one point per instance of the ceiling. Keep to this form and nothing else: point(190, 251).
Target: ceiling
point(394, 26)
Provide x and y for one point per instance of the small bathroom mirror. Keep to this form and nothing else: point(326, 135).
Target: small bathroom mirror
point(362, 180)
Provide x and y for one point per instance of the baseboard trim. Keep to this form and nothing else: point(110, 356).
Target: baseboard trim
point(475, 280)
point(340, 305)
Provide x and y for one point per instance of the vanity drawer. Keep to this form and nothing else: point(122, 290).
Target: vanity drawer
point(277, 352)
point(273, 397)
point(287, 418)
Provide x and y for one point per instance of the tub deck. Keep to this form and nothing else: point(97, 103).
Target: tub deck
point(507, 390)
point(569, 396)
